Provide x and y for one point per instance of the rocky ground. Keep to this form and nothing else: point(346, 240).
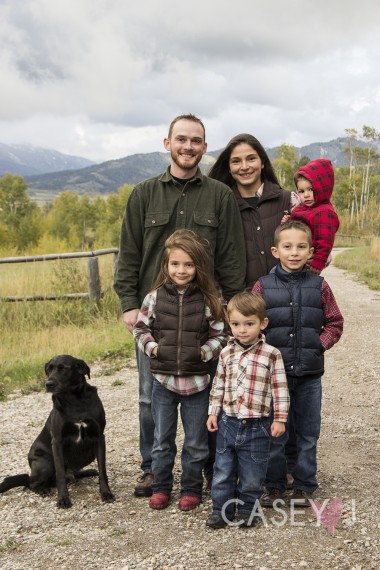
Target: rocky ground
point(34, 534)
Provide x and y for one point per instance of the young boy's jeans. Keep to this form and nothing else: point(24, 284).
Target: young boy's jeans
point(193, 411)
point(242, 451)
point(305, 413)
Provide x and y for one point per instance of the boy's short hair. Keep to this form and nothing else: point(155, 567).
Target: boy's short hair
point(247, 303)
point(292, 225)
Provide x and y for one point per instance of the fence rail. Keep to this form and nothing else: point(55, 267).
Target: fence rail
point(94, 285)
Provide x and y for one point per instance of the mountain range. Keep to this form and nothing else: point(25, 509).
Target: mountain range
point(57, 172)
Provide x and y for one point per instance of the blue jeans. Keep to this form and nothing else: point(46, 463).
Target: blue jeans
point(305, 419)
point(146, 380)
point(193, 410)
point(242, 451)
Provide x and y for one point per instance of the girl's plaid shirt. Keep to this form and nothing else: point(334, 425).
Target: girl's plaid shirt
point(247, 380)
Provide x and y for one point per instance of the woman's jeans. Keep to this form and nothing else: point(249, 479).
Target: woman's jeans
point(242, 451)
point(304, 420)
point(193, 410)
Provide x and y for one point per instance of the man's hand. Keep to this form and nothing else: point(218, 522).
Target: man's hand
point(130, 318)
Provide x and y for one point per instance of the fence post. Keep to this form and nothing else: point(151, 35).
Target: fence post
point(94, 289)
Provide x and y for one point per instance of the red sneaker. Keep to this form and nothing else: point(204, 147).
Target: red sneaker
point(188, 502)
point(159, 501)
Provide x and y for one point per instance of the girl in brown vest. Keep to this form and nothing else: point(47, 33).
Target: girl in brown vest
point(181, 327)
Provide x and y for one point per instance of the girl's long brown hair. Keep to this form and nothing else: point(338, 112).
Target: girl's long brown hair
point(191, 244)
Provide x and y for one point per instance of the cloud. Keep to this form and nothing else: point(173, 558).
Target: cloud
point(103, 78)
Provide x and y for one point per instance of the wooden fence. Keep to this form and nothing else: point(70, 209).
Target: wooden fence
point(94, 292)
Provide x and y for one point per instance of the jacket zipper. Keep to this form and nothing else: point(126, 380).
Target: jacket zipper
point(179, 335)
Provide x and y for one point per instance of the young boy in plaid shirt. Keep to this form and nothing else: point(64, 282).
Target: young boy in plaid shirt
point(249, 402)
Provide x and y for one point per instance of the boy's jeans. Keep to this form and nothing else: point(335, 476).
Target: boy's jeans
point(305, 413)
point(242, 451)
point(193, 411)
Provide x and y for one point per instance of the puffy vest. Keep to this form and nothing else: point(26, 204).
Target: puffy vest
point(180, 329)
point(295, 313)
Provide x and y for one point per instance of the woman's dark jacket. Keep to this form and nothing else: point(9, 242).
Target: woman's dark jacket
point(259, 223)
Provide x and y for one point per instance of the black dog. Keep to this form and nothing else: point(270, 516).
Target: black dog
point(72, 437)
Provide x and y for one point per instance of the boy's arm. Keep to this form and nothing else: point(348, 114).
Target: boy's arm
point(326, 224)
point(257, 288)
point(333, 319)
point(143, 329)
point(279, 387)
point(217, 390)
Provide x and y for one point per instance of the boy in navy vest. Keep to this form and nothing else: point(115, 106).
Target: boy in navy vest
point(304, 322)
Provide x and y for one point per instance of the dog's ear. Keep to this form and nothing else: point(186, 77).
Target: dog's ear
point(46, 368)
point(82, 367)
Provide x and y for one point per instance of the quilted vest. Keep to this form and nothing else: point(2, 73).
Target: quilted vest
point(180, 329)
point(295, 313)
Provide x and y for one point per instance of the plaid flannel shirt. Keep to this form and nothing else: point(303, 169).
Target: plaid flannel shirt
point(248, 381)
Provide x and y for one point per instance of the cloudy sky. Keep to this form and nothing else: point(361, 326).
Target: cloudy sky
point(103, 78)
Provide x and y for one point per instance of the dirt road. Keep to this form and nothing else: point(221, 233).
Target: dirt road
point(34, 534)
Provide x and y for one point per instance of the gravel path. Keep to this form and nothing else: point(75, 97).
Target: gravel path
point(34, 534)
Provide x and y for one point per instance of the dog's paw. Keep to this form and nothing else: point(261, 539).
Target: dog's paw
point(42, 491)
point(108, 497)
point(64, 503)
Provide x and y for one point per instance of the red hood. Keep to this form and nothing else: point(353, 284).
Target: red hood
point(320, 173)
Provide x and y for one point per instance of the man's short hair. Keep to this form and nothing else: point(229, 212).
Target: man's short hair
point(186, 117)
point(292, 225)
point(247, 303)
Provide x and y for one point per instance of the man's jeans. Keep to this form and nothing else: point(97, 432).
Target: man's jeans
point(242, 451)
point(146, 380)
point(193, 411)
point(305, 419)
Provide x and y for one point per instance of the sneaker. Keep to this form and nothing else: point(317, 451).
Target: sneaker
point(301, 498)
point(159, 501)
point(144, 485)
point(216, 521)
point(188, 502)
point(270, 496)
point(247, 522)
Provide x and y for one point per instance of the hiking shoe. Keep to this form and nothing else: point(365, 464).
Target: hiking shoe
point(159, 501)
point(300, 498)
point(270, 496)
point(188, 502)
point(144, 485)
point(216, 521)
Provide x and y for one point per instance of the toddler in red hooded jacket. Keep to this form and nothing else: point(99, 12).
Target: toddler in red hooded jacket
point(315, 183)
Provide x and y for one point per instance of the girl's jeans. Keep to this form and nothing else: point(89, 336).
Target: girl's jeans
point(193, 410)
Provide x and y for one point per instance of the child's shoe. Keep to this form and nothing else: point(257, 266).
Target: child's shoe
point(216, 521)
point(300, 498)
point(188, 502)
point(270, 496)
point(159, 501)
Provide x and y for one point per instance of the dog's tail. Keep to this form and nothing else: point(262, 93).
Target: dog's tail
point(86, 473)
point(22, 480)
